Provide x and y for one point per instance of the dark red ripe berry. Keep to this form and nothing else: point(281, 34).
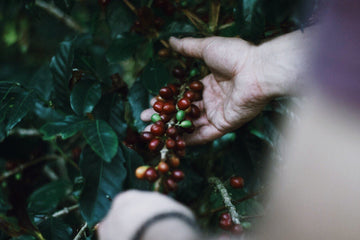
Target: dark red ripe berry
point(180, 144)
point(169, 108)
point(166, 93)
point(158, 128)
point(196, 86)
point(165, 117)
point(154, 144)
point(177, 175)
point(174, 161)
point(225, 215)
point(190, 129)
point(146, 136)
point(158, 106)
point(183, 103)
point(178, 72)
point(170, 184)
point(174, 88)
point(163, 167)
point(170, 143)
point(226, 224)
point(151, 175)
point(190, 95)
point(198, 96)
point(237, 182)
point(237, 229)
point(195, 111)
point(172, 132)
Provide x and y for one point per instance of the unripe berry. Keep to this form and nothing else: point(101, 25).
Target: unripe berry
point(169, 108)
point(196, 86)
point(180, 115)
point(140, 172)
point(158, 106)
point(151, 175)
point(237, 182)
point(186, 124)
point(163, 167)
point(170, 143)
point(146, 136)
point(154, 144)
point(183, 103)
point(166, 93)
point(177, 175)
point(155, 117)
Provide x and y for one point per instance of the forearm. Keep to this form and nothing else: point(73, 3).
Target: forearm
point(283, 64)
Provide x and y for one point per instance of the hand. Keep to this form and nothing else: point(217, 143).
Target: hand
point(131, 209)
point(232, 93)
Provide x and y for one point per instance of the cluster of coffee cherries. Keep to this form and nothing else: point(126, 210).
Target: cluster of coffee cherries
point(227, 224)
point(174, 116)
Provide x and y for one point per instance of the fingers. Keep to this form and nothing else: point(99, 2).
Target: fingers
point(202, 135)
point(192, 47)
point(146, 114)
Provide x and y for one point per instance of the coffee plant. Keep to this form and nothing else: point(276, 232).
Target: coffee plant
point(75, 76)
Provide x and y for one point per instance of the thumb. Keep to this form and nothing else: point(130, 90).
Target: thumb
point(192, 47)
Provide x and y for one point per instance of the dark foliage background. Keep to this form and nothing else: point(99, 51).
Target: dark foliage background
point(74, 78)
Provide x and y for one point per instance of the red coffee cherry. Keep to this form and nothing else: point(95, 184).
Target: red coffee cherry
point(169, 108)
point(237, 229)
point(158, 106)
point(198, 96)
point(178, 72)
point(170, 184)
point(195, 111)
point(170, 143)
point(180, 144)
point(154, 144)
point(140, 172)
point(158, 128)
point(177, 175)
point(172, 132)
point(226, 224)
point(196, 86)
point(225, 215)
point(151, 175)
point(190, 95)
point(166, 93)
point(165, 117)
point(174, 88)
point(163, 167)
point(237, 182)
point(174, 161)
point(146, 136)
point(183, 103)
point(190, 129)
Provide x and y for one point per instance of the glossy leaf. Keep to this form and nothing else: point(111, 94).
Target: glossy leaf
point(65, 128)
point(119, 18)
point(117, 119)
point(46, 198)
point(84, 96)
point(139, 100)
point(61, 69)
point(102, 182)
point(101, 138)
point(154, 76)
point(123, 47)
point(55, 229)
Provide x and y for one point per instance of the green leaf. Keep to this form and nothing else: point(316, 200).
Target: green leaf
point(117, 119)
point(102, 182)
point(101, 138)
point(46, 198)
point(65, 128)
point(178, 29)
point(41, 82)
point(123, 47)
point(155, 76)
point(84, 96)
point(55, 229)
point(119, 18)
point(61, 69)
point(139, 100)
point(24, 237)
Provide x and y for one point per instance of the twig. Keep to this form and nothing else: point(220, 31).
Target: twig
point(22, 132)
point(214, 14)
point(80, 233)
point(226, 198)
point(129, 4)
point(56, 12)
point(26, 165)
point(197, 22)
point(65, 211)
point(226, 25)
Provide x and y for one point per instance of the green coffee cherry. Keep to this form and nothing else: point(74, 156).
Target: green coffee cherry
point(194, 72)
point(155, 117)
point(186, 124)
point(180, 115)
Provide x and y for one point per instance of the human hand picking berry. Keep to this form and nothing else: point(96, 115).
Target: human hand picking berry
point(243, 79)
